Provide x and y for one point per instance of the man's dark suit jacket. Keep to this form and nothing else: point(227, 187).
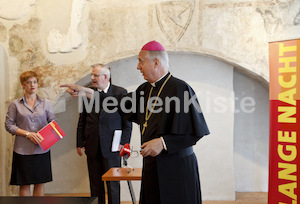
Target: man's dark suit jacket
point(98, 128)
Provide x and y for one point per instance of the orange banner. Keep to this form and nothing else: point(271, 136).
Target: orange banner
point(284, 158)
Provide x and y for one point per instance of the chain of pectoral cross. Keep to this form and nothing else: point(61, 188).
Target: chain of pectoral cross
point(149, 112)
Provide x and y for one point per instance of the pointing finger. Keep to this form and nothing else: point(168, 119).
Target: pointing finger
point(65, 85)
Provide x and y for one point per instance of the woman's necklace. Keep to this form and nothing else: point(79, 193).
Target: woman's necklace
point(149, 113)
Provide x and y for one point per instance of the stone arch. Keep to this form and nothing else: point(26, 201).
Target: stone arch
point(216, 83)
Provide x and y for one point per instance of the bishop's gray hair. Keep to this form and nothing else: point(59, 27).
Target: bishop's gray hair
point(162, 56)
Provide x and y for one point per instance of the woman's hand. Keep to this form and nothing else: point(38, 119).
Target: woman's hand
point(34, 137)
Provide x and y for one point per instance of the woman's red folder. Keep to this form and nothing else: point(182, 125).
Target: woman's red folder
point(51, 134)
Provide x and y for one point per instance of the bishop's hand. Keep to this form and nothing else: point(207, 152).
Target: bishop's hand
point(152, 148)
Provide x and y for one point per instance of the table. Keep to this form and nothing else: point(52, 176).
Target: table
point(118, 174)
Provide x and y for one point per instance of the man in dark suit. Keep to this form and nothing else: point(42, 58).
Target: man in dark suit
point(95, 134)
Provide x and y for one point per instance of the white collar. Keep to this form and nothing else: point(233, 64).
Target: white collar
point(153, 83)
point(106, 89)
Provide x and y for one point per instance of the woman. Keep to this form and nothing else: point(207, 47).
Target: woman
point(25, 117)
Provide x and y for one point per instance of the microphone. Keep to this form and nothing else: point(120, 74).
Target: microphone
point(125, 153)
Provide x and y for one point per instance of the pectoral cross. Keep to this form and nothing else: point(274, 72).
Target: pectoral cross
point(144, 127)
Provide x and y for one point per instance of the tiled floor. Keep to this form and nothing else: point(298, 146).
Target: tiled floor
point(244, 198)
point(241, 198)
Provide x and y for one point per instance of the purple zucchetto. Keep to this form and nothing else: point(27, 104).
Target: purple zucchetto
point(153, 46)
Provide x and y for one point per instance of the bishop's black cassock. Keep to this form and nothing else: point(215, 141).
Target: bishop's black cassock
point(172, 176)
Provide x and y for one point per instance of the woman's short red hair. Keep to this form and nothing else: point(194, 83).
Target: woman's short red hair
point(26, 75)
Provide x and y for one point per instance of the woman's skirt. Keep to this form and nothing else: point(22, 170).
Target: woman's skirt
point(31, 169)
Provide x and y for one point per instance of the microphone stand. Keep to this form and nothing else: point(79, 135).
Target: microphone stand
point(125, 164)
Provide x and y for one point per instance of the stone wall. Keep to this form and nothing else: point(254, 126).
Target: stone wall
point(60, 39)
point(63, 38)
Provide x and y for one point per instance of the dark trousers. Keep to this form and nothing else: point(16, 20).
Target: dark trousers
point(97, 167)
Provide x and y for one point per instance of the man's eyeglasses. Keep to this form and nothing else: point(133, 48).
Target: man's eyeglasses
point(96, 75)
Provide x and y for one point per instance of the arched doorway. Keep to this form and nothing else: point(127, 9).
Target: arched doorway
point(232, 158)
